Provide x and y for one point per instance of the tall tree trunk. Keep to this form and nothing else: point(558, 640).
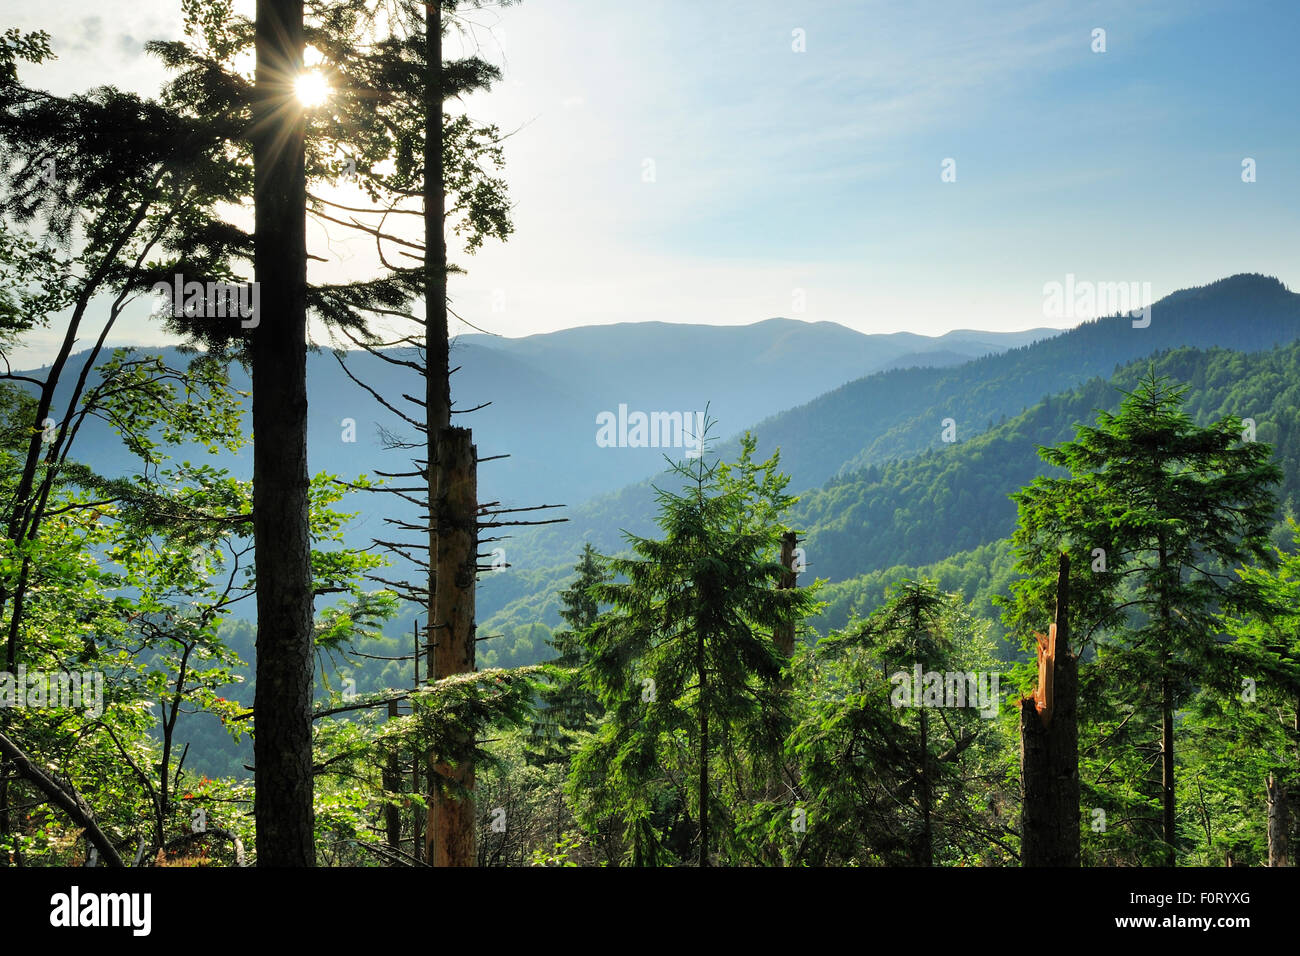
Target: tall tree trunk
point(702, 669)
point(453, 832)
point(783, 640)
point(1166, 719)
point(419, 816)
point(925, 853)
point(437, 379)
point(451, 464)
point(1279, 822)
point(1049, 752)
point(783, 637)
point(283, 700)
point(1167, 724)
point(393, 783)
point(1167, 767)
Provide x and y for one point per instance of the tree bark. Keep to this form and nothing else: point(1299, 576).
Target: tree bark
point(419, 820)
point(393, 783)
point(283, 700)
point(451, 472)
point(1049, 753)
point(437, 365)
point(452, 834)
point(701, 667)
point(1167, 769)
point(784, 634)
point(925, 852)
point(1279, 822)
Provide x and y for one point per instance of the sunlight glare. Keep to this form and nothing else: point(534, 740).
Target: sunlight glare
point(312, 89)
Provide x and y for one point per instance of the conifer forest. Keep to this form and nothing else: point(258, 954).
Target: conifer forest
point(552, 433)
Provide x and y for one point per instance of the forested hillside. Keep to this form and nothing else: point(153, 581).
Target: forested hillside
point(383, 559)
point(952, 497)
point(955, 498)
point(899, 414)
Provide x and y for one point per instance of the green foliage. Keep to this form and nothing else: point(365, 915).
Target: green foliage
point(1156, 514)
point(684, 661)
point(566, 706)
point(1247, 730)
point(886, 783)
point(667, 728)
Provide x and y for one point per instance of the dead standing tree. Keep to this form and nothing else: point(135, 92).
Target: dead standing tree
point(450, 517)
point(1049, 745)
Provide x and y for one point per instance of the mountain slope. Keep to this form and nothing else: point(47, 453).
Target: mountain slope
point(924, 510)
point(541, 395)
point(901, 413)
point(955, 499)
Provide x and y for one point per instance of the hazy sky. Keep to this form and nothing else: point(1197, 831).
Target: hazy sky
point(776, 170)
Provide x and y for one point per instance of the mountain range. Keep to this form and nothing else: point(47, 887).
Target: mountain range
point(861, 422)
point(881, 487)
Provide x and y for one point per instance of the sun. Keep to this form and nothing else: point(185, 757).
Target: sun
point(312, 89)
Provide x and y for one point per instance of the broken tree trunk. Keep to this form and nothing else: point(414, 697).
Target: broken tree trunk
point(1279, 822)
point(452, 833)
point(1049, 746)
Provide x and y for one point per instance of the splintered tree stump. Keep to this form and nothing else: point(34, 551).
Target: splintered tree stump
point(1049, 746)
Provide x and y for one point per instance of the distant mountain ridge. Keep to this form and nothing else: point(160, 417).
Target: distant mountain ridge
point(900, 413)
point(542, 394)
point(831, 438)
point(546, 391)
point(949, 509)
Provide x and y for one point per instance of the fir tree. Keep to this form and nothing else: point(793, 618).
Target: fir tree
point(684, 661)
point(565, 705)
point(884, 778)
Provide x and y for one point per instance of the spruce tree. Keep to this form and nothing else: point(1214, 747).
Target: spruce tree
point(1247, 728)
point(884, 779)
point(565, 705)
point(683, 661)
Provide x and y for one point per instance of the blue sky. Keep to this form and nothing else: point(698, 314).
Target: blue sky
point(819, 171)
